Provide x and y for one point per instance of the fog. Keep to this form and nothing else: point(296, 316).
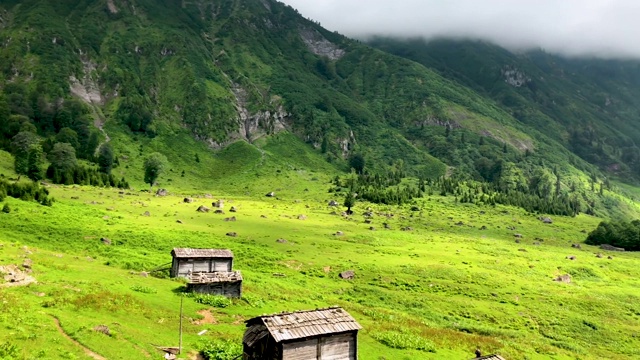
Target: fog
point(602, 28)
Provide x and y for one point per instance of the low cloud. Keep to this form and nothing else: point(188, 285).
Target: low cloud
point(601, 28)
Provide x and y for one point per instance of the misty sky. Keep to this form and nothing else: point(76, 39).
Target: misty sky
point(605, 28)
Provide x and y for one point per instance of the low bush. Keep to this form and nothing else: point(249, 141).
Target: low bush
point(144, 289)
point(221, 350)
point(404, 341)
point(211, 300)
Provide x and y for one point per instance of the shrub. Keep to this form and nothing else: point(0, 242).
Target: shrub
point(8, 351)
point(211, 300)
point(221, 350)
point(6, 209)
point(144, 289)
point(402, 340)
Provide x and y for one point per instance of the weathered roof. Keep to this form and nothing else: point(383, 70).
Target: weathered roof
point(201, 253)
point(214, 277)
point(300, 324)
point(489, 357)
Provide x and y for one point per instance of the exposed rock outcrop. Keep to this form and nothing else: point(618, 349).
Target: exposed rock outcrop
point(319, 45)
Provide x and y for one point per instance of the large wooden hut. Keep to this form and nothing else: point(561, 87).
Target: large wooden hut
point(304, 335)
point(187, 261)
point(228, 284)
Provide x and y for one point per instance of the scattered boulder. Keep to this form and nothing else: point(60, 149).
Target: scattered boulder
point(179, 221)
point(106, 217)
point(281, 241)
point(302, 217)
point(218, 204)
point(232, 234)
point(546, 220)
point(368, 214)
point(333, 203)
point(263, 216)
point(27, 263)
point(339, 233)
point(386, 226)
point(162, 192)
point(208, 196)
point(203, 209)
point(483, 227)
point(610, 247)
point(368, 221)
point(459, 223)
point(188, 200)
point(571, 257)
point(218, 211)
point(270, 194)
point(522, 250)
point(233, 209)
point(144, 274)
point(104, 329)
point(347, 275)
point(233, 218)
point(610, 257)
point(518, 236)
point(146, 213)
point(566, 278)
point(407, 228)
point(106, 241)
point(599, 256)
point(536, 243)
point(372, 228)
point(517, 241)
point(576, 246)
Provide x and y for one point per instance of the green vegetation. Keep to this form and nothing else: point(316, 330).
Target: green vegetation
point(621, 234)
point(450, 166)
point(443, 275)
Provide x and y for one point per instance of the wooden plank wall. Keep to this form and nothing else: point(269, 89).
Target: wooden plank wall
point(301, 350)
point(331, 347)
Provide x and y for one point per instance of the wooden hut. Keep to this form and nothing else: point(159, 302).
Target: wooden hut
point(304, 335)
point(187, 261)
point(228, 284)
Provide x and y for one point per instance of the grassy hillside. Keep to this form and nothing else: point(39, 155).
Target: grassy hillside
point(588, 105)
point(445, 286)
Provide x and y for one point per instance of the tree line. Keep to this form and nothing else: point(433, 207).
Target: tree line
point(47, 138)
point(617, 233)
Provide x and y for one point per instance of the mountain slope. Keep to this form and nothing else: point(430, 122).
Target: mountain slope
point(230, 70)
point(590, 106)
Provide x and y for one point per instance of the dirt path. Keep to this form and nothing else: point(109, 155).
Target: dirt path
point(87, 351)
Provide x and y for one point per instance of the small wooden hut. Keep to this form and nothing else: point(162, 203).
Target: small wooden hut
point(304, 335)
point(187, 261)
point(228, 284)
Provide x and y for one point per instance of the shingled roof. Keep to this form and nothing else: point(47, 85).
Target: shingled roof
point(214, 277)
point(201, 253)
point(489, 357)
point(300, 324)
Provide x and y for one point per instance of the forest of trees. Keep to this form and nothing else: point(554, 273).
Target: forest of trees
point(47, 137)
point(617, 233)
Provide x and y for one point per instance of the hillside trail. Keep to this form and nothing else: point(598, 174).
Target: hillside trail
point(86, 350)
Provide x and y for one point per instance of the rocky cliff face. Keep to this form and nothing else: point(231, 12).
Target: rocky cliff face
point(514, 77)
point(317, 44)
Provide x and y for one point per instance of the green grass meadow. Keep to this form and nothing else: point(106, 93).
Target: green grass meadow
point(436, 291)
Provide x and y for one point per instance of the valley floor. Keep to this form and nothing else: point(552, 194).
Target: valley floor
point(443, 283)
